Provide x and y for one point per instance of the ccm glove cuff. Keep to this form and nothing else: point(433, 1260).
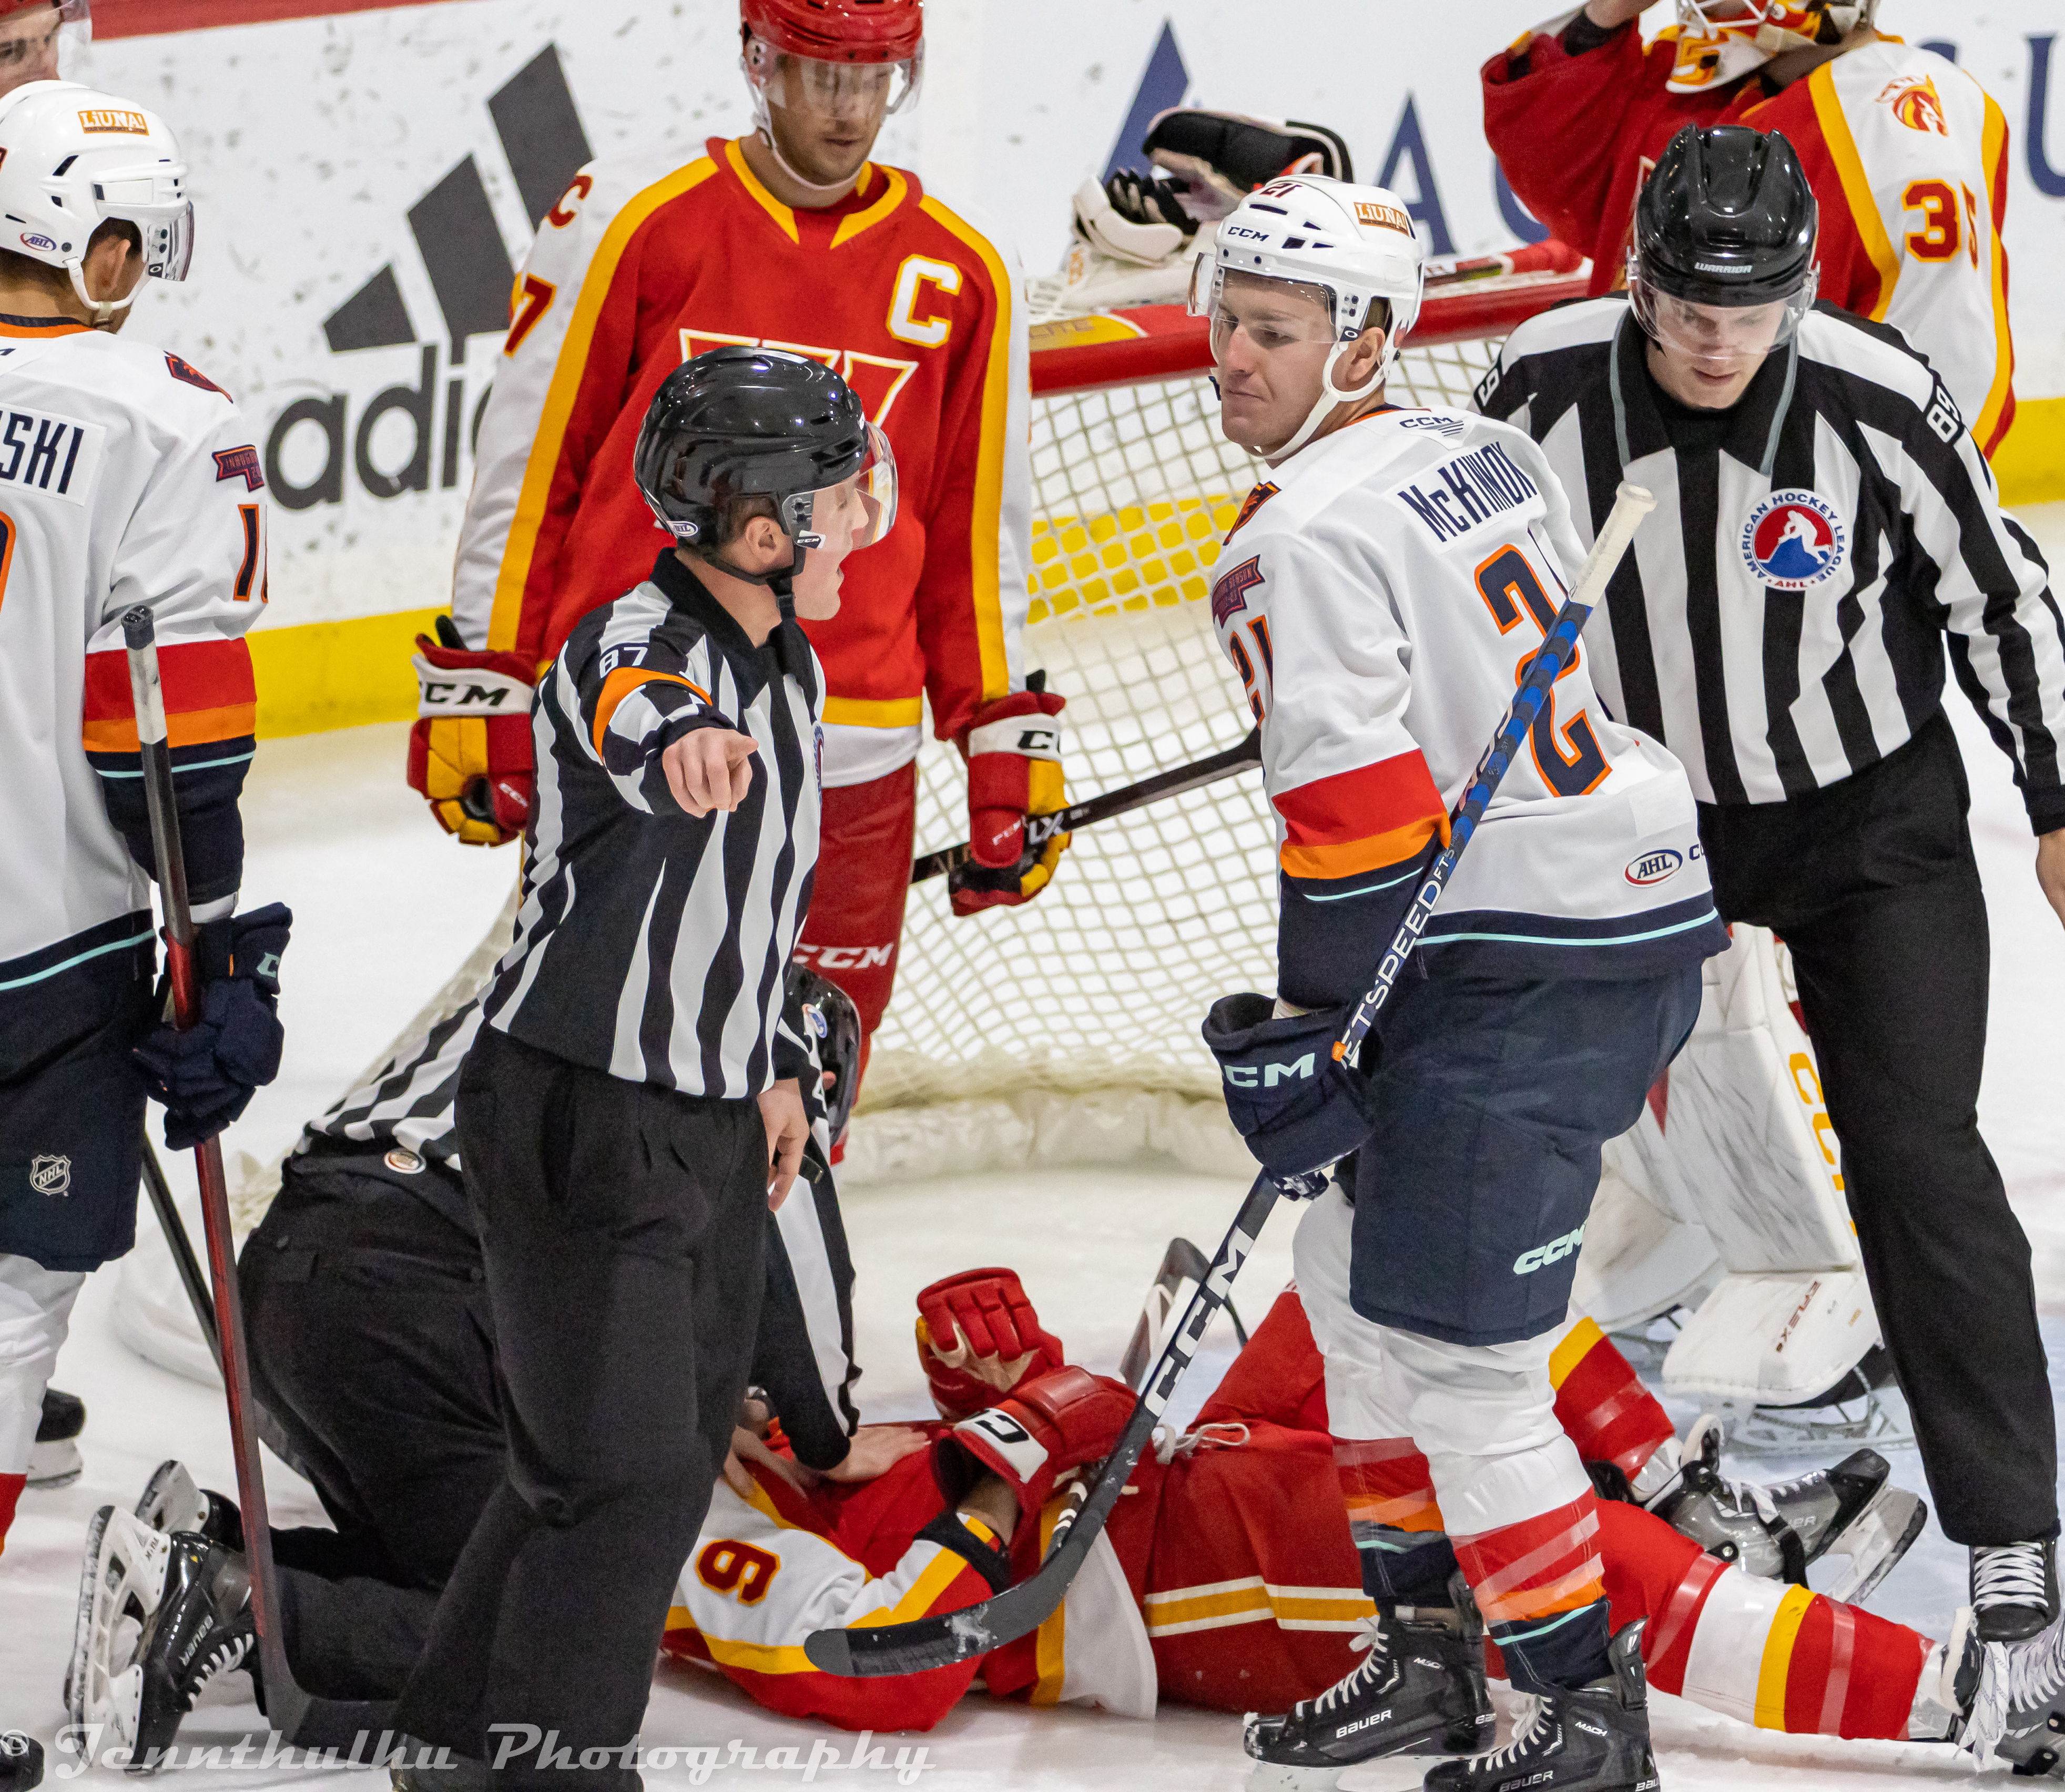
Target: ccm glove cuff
point(1298, 1108)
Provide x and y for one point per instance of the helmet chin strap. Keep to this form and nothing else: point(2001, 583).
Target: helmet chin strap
point(763, 123)
point(1330, 395)
point(780, 581)
point(103, 309)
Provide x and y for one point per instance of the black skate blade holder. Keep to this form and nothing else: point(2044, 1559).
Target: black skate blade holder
point(303, 1719)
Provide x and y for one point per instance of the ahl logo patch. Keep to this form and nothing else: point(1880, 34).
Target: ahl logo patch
point(1654, 867)
point(50, 1174)
point(1228, 599)
point(1794, 540)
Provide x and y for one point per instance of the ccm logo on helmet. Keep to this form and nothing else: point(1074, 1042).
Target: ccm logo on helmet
point(1543, 1255)
point(1655, 867)
point(1267, 1076)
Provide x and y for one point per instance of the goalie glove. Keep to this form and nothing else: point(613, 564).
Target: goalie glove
point(978, 1337)
point(470, 753)
point(1135, 218)
point(1215, 160)
point(1051, 1425)
point(1014, 755)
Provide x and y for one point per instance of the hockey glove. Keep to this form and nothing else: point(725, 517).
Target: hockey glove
point(1298, 1109)
point(1014, 755)
point(1051, 1425)
point(470, 751)
point(1132, 217)
point(978, 1337)
point(205, 1076)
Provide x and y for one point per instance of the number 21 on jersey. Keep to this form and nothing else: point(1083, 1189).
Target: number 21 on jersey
point(1568, 758)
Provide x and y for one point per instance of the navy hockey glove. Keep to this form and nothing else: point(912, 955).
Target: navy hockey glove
point(1297, 1108)
point(206, 1076)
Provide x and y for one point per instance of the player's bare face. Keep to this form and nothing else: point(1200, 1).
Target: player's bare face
point(842, 515)
point(28, 47)
point(1270, 339)
point(1704, 355)
point(828, 115)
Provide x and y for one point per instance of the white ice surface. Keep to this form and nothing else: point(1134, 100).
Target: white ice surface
point(385, 907)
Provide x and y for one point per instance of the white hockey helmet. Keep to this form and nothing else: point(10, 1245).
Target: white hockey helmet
point(70, 158)
point(1355, 243)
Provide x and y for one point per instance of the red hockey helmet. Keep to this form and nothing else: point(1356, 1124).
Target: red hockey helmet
point(839, 31)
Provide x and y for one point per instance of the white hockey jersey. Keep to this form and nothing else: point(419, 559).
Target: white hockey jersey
point(1379, 596)
point(126, 477)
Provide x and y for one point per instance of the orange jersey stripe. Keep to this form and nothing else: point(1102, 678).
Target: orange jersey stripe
point(620, 684)
point(210, 695)
point(1355, 822)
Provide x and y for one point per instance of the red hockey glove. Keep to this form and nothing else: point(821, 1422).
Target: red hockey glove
point(978, 1337)
point(1014, 755)
point(1051, 1425)
point(470, 751)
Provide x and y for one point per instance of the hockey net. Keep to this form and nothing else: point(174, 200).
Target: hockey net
point(1067, 1030)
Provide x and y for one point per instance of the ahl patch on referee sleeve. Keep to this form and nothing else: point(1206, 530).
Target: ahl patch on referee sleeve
point(1793, 540)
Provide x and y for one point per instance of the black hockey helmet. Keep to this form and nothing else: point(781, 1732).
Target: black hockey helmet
point(746, 422)
point(834, 1023)
point(1726, 223)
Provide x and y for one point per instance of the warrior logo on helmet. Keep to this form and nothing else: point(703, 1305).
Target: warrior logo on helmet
point(1794, 540)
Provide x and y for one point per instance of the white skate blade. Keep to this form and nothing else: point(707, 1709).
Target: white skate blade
point(1873, 1542)
point(118, 1602)
point(82, 1625)
point(55, 1464)
point(170, 1500)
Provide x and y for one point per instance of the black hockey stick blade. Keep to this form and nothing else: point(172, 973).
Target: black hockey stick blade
point(1179, 780)
point(1182, 1262)
point(942, 1638)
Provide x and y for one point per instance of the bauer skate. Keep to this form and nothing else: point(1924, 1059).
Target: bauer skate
point(1590, 1738)
point(54, 1460)
point(1779, 1529)
point(160, 1615)
point(1420, 1690)
point(171, 1502)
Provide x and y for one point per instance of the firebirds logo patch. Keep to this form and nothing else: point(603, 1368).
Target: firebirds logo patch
point(1916, 103)
point(1793, 540)
point(1228, 599)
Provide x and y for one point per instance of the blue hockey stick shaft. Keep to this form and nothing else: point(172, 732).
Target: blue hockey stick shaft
point(1631, 504)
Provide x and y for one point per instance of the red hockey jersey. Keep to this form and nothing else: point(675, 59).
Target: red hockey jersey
point(1906, 153)
point(643, 264)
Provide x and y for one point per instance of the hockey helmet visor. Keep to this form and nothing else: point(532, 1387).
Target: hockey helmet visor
point(837, 58)
point(856, 511)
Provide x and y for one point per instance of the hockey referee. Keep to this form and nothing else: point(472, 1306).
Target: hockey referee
point(627, 1109)
point(1825, 524)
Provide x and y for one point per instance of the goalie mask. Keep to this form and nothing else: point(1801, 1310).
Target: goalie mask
point(1720, 41)
point(742, 423)
point(1354, 244)
point(858, 60)
point(1722, 269)
point(71, 159)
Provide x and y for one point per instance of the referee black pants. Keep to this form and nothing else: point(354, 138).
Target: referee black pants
point(621, 1230)
point(1872, 885)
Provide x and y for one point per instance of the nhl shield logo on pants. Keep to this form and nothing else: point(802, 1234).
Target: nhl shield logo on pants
point(51, 1175)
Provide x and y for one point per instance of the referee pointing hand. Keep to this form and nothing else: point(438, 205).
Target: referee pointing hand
point(630, 1104)
point(1826, 526)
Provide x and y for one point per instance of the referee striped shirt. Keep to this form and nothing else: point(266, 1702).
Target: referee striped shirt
point(1780, 621)
point(651, 943)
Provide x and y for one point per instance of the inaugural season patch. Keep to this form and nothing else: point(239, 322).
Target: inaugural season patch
point(1793, 540)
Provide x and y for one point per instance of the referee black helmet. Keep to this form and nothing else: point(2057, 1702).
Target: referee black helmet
point(738, 424)
point(1726, 218)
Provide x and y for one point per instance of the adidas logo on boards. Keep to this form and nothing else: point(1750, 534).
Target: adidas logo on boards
point(470, 272)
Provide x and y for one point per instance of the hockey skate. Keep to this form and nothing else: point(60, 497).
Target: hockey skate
point(2015, 1591)
point(1779, 1529)
point(159, 1616)
point(1591, 1738)
point(54, 1461)
point(1420, 1690)
point(171, 1502)
point(2019, 1712)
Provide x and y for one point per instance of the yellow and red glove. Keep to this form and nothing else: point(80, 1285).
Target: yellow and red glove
point(1014, 759)
point(470, 751)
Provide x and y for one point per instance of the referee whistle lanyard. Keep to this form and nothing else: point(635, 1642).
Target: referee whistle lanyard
point(1778, 414)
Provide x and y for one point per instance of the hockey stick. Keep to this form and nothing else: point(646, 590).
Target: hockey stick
point(301, 1718)
point(942, 1638)
point(1182, 1262)
point(184, 1259)
point(1041, 829)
